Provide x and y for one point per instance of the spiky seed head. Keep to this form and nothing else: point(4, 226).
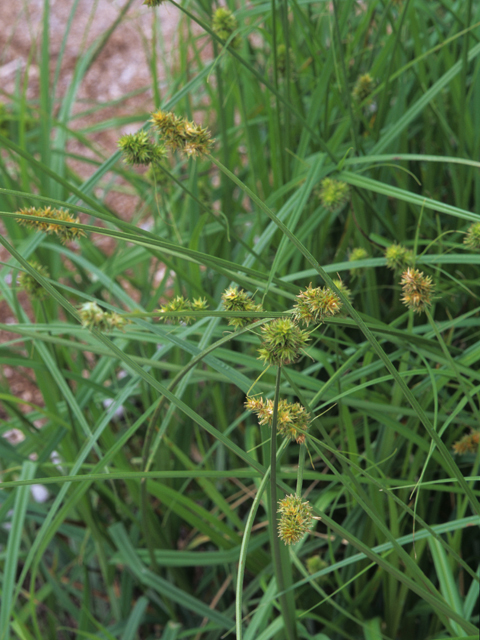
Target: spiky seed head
point(283, 341)
point(49, 223)
point(137, 148)
point(467, 444)
point(418, 290)
point(235, 299)
point(292, 418)
point(94, 317)
point(224, 24)
point(333, 194)
point(30, 284)
point(363, 88)
point(314, 305)
point(179, 133)
point(295, 519)
point(472, 237)
point(398, 257)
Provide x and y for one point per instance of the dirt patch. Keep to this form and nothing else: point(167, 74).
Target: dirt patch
point(117, 84)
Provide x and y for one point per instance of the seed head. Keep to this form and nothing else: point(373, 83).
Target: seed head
point(283, 342)
point(292, 418)
point(468, 444)
point(30, 284)
point(179, 133)
point(363, 87)
point(92, 316)
point(398, 257)
point(338, 282)
point(224, 24)
point(359, 253)
point(333, 194)
point(153, 3)
point(179, 303)
point(235, 299)
point(316, 563)
point(48, 224)
point(139, 149)
point(314, 305)
point(417, 290)
point(295, 519)
point(472, 237)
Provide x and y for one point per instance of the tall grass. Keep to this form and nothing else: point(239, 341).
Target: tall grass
point(163, 489)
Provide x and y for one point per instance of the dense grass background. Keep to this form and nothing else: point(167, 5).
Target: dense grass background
point(112, 555)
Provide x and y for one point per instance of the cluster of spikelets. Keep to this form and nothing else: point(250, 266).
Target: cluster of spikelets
point(180, 133)
point(94, 317)
point(359, 253)
point(399, 257)
point(235, 299)
point(179, 303)
point(292, 418)
point(333, 194)
point(224, 25)
point(283, 342)
point(137, 148)
point(472, 237)
point(418, 290)
point(49, 223)
point(363, 88)
point(295, 519)
point(468, 444)
point(316, 304)
point(30, 284)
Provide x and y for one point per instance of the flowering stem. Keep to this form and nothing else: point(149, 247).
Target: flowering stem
point(277, 559)
point(301, 466)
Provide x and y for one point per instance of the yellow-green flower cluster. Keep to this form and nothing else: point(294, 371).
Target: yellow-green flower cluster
point(338, 282)
point(468, 444)
point(295, 519)
point(399, 257)
point(137, 148)
point(224, 24)
point(92, 316)
point(315, 564)
point(179, 133)
point(359, 253)
point(333, 194)
point(235, 299)
point(283, 341)
point(314, 305)
point(472, 237)
point(30, 284)
point(49, 223)
point(179, 303)
point(292, 418)
point(363, 87)
point(417, 290)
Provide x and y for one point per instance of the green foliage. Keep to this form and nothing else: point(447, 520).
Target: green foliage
point(157, 522)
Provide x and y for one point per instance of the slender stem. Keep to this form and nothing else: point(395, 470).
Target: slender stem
point(242, 561)
point(277, 560)
point(301, 467)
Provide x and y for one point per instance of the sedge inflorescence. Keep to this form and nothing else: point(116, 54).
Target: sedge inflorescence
point(333, 194)
point(30, 284)
point(363, 88)
point(292, 418)
point(398, 257)
point(224, 25)
point(472, 237)
point(316, 304)
point(137, 148)
point(179, 303)
point(283, 341)
point(468, 444)
point(94, 317)
point(295, 519)
point(179, 133)
point(235, 299)
point(49, 222)
point(418, 290)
